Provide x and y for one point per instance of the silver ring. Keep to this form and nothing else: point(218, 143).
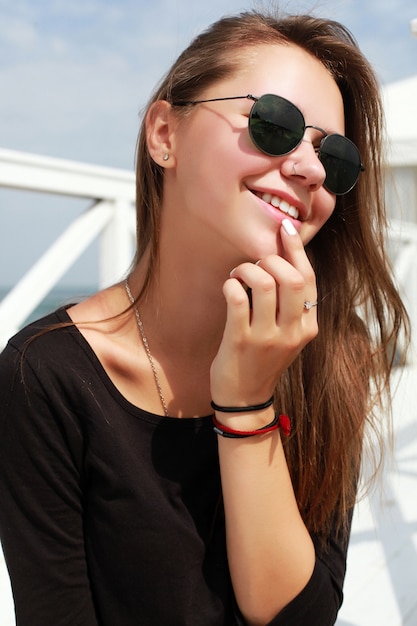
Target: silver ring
point(293, 169)
point(309, 305)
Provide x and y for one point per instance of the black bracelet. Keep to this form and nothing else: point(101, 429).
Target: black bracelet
point(242, 409)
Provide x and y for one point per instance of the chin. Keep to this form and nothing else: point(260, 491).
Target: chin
point(265, 250)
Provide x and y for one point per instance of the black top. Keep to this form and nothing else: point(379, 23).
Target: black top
point(110, 515)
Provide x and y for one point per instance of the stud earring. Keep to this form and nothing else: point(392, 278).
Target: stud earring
point(166, 156)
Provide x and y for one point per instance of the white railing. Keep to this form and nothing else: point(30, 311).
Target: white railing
point(403, 249)
point(110, 215)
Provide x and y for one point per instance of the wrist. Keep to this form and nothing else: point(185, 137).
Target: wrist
point(236, 422)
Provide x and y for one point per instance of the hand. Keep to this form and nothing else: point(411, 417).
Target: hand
point(260, 343)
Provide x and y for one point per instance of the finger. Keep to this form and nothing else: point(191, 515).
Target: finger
point(263, 294)
point(294, 250)
point(296, 328)
point(238, 308)
point(296, 255)
point(290, 288)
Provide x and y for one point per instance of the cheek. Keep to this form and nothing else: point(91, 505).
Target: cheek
point(210, 164)
point(322, 210)
point(202, 184)
point(323, 206)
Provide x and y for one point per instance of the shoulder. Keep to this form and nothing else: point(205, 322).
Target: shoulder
point(63, 329)
point(36, 334)
point(71, 351)
point(42, 352)
point(50, 379)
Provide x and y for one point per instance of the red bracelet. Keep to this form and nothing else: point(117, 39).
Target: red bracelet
point(280, 421)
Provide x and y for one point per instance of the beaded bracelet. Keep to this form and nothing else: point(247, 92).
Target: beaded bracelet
point(280, 421)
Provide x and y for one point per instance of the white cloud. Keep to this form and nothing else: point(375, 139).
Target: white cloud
point(16, 34)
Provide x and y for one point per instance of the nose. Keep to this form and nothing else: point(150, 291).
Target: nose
point(304, 166)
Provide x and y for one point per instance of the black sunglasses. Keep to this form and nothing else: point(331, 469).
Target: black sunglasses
point(277, 127)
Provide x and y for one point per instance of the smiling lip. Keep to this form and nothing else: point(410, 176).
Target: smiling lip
point(279, 203)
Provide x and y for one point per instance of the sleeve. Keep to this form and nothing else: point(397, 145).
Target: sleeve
point(319, 602)
point(41, 497)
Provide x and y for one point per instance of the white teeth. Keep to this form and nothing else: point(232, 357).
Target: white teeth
point(282, 205)
point(285, 206)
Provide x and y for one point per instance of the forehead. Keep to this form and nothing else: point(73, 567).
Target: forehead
point(291, 72)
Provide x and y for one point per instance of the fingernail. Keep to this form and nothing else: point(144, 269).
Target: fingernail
point(232, 272)
point(289, 227)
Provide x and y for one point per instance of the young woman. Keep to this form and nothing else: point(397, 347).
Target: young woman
point(184, 447)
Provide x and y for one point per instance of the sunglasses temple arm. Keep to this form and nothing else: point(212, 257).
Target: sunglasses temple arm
point(184, 103)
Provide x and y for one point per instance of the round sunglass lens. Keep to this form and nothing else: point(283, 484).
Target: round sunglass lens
point(276, 125)
point(342, 162)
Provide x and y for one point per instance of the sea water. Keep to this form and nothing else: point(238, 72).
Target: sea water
point(59, 296)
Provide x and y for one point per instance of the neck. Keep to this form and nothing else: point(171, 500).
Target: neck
point(183, 316)
point(184, 306)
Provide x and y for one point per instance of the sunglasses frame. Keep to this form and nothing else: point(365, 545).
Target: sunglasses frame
point(256, 100)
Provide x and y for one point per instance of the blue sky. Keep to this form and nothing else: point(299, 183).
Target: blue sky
point(74, 75)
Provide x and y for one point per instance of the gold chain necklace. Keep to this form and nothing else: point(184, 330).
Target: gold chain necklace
point(147, 349)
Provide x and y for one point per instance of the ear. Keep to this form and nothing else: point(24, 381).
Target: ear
point(160, 127)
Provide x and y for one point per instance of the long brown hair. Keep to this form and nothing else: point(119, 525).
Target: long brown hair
point(334, 387)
